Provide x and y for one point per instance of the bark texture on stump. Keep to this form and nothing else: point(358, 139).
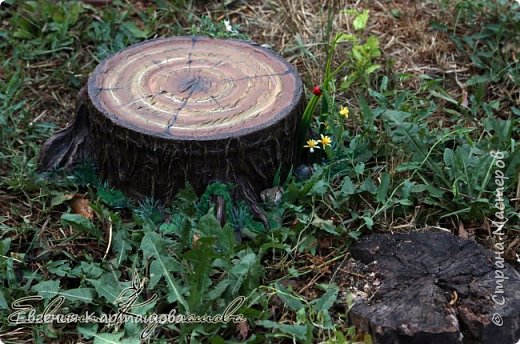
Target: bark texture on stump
point(184, 109)
point(437, 288)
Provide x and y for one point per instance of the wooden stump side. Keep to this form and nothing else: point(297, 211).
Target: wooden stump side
point(185, 109)
point(436, 288)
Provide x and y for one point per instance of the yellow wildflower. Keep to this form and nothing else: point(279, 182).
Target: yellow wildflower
point(325, 140)
point(344, 111)
point(312, 144)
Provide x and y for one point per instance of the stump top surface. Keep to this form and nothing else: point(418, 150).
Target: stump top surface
point(195, 88)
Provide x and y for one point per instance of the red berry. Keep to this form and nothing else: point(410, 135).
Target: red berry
point(317, 90)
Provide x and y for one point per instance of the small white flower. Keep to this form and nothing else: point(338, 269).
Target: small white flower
point(228, 26)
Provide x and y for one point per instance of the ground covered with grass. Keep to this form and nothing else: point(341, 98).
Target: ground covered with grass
point(414, 96)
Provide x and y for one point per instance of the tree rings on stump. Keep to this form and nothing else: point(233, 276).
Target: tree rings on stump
point(185, 109)
point(437, 288)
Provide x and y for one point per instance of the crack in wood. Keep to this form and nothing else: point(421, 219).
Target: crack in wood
point(172, 120)
point(256, 76)
point(146, 56)
point(190, 61)
point(215, 100)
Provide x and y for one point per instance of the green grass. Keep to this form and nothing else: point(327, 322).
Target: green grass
point(404, 158)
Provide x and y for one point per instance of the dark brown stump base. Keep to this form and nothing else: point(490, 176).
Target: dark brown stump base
point(437, 288)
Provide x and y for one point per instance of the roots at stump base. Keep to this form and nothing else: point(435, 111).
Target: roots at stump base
point(70, 145)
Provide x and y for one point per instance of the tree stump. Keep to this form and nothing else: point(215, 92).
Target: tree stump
point(185, 109)
point(437, 288)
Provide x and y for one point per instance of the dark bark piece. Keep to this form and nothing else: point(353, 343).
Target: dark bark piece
point(185, 109)
point(421, 273)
